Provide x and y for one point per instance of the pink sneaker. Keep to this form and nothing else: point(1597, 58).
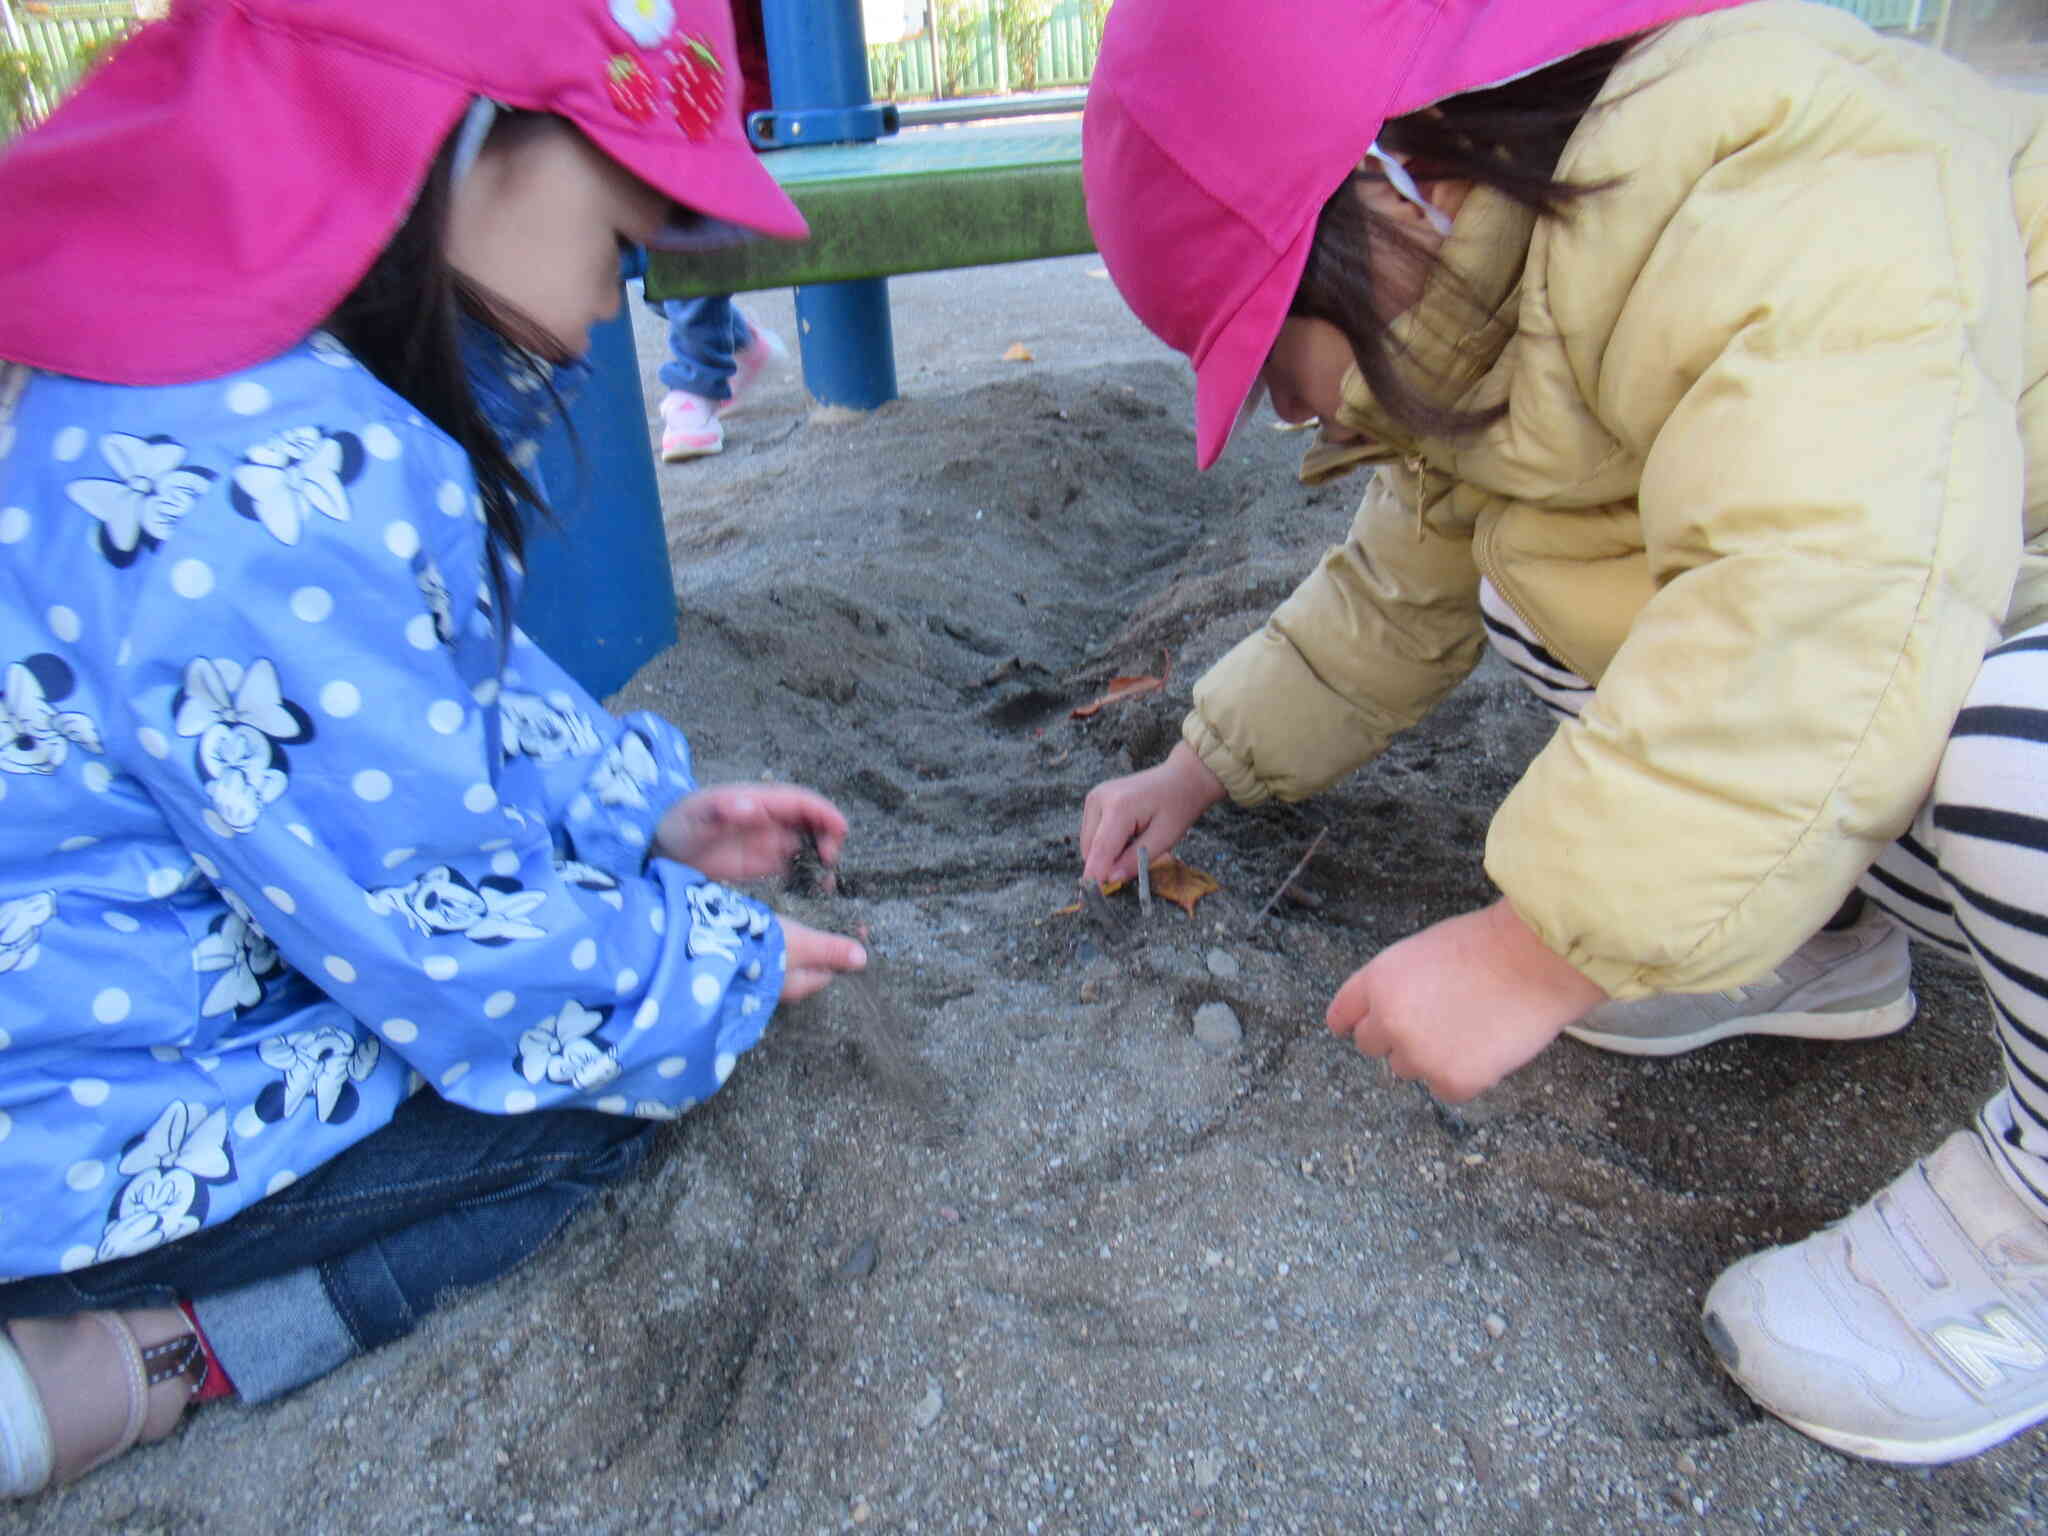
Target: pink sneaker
point(689, 427)
point(753, 360)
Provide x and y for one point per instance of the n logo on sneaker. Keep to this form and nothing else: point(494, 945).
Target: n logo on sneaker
point(2003, 1340)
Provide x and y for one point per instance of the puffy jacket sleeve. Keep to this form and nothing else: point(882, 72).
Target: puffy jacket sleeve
point(1383, 628)
point(452, 848)
point(1802, 311)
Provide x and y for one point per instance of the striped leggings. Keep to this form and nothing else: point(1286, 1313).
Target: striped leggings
point(1970, 876)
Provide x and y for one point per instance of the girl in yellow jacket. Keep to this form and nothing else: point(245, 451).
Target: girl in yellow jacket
point(1699, 350)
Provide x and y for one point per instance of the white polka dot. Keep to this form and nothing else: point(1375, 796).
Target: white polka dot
point(3, 790)
point(90, 1092)
point(63, 622)
point(584, 955)
point(206, 1063)
point(248, 398)
point(192, 578)
point(312, 604)
point(341, 699)
point(493, 844)
point(706, 990)
point(206, 866)
point(14, 524)
point(455, 1074)
point(110, 1006)
point(166, 1053)
point(248, 1124)
point(162, 882)
point(86, 1175)
point(380, 442)
point(722, 1067)
point(420, 633)
point(498, 1004)
point(338, 968)
point(280, 898)
point(217, 824)
point(673, 1066)
point(505, 863)
point(68, 444)
point(581, 807)
point(612, 1104)
point(485, 692)
point(445, 716)
point(479, 798)
point(452, 499)
point(73, 844)
point(519, 1101)
point(372, 784)
point(302, 832)
point(125, 653)
point(440, 967)
point(625, 981)
point(398, 856)
point(284, 1178)
point(77, 1258)
point(657, 919)
point(6, 1124)
point(98, 777)
point(402, 539)
point(648, 1012)
point(152, 741)
point(401, 1031)
point(120, 922)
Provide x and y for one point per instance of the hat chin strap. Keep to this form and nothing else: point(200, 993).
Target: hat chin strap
point(470, 136)
point(1399, 179)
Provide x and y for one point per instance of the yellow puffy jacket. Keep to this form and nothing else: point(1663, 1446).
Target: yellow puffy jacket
point(1773, 473)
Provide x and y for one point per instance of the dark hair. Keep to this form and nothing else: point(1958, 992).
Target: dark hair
point(1509, 138)
point(403, 323)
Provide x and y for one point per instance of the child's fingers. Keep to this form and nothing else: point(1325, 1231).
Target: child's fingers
point(813, 958)
point(1349, 1012)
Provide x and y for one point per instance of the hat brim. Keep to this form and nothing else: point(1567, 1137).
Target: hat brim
point(1227, 372)
point(725, 190)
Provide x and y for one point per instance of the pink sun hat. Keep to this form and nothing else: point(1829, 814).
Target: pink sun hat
point(1216, 130)
point(212, 191)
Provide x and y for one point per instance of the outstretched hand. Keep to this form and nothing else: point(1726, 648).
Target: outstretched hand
point(1463, 1003)
point(748, 831)
point(1154, 808)
point(814, 959)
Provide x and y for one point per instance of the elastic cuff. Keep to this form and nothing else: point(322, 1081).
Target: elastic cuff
point(1238, 781)
point(274, 1335)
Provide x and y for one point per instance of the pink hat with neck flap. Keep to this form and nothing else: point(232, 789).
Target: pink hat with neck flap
point(213, 190)
point(1217, 129)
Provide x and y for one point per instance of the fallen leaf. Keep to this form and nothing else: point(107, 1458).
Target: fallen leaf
point(1120, 688)
point(1018, 353)
point(1181, 884)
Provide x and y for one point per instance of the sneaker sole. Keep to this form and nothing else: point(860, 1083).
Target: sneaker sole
point(1919, 1453)
point(28, 1455)
point(678, 455)
point(1853, 1024)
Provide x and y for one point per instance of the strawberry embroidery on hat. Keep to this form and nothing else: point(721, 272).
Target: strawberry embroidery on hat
point(632, 89)
point(696, 83)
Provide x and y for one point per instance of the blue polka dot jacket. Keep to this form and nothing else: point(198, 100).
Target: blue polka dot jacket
point(289, 827)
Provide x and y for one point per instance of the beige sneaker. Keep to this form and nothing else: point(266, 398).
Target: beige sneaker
point(75, 1392)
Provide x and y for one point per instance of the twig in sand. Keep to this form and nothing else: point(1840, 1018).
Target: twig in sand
point(1274, 900)
point(1099, 909)
point(1144, 882)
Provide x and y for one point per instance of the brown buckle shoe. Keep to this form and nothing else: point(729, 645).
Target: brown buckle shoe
point(75, 1392)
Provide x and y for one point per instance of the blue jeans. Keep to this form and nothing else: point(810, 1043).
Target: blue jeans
point(357, 1252)
point(704, 337)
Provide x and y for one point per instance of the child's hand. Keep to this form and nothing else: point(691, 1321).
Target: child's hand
point(1463, 1003)
point(813, 959)
point(1154, 807)
point(747, 831)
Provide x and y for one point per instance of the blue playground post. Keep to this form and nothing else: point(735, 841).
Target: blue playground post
point(818, 77)
point(600, 597)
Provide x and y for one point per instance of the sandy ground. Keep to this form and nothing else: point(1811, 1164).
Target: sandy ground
point(989, 1240)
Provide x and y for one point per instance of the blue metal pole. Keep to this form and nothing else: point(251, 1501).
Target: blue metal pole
point(818, 60)
point(600, 597)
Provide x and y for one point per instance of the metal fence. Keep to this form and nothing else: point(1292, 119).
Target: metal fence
point(46, 44)
point(960, 52)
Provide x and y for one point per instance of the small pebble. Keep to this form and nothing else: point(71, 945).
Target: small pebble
point(1687, 1467)
point(1222, 963)
point(929, 1407)
point(860, 1263)
point(1217, 1029)
point(1495, 1325)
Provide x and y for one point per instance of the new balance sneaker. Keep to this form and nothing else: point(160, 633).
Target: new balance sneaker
point(75, 1392)
point(1913, 1330)
point(689, 427)
point(1851, 984)
point(752, 360)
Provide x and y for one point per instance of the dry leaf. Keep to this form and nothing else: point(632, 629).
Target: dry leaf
point(1120, 688)
point(1018, 353)
point(1181, 884)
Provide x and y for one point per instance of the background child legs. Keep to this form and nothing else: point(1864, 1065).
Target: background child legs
point(357, 1252)
point(705, 337)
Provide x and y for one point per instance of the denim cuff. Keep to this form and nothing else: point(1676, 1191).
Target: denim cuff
point(274, 1335)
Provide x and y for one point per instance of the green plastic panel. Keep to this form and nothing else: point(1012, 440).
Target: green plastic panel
point(971, 195)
